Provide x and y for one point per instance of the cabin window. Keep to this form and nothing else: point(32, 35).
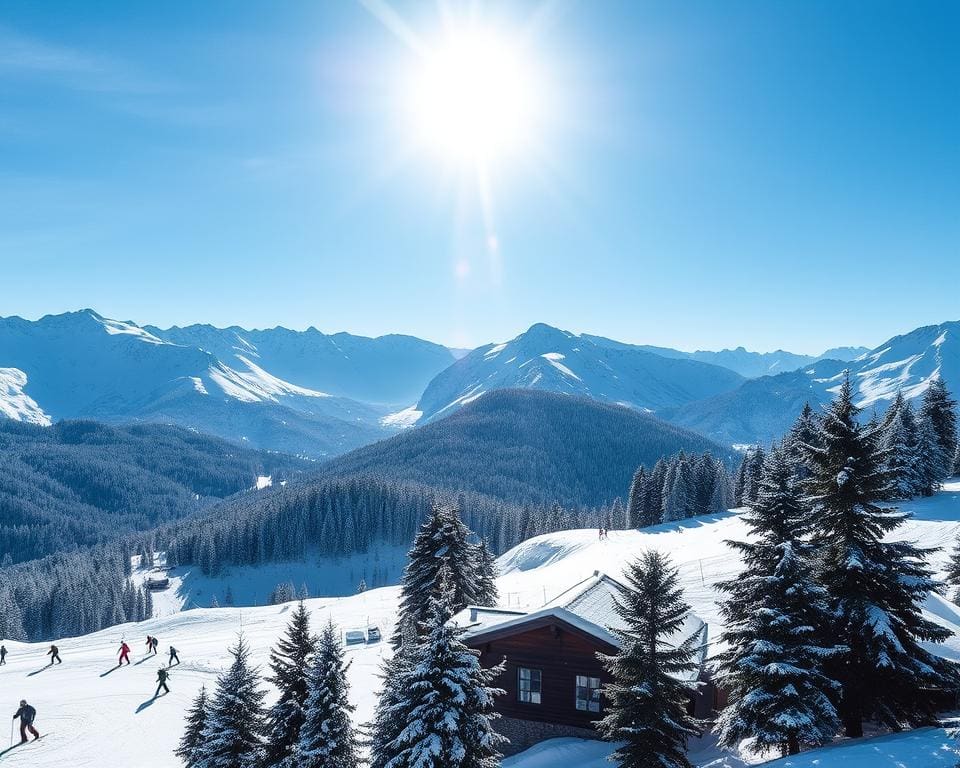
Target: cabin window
point(529, 688)
point(588, 693)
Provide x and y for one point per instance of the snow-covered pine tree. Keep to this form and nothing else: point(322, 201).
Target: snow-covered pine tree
point(804, 432)
point(754, 473)
point(192, 742)
point(930, 460)
point(721, 498)
point(446, 706)
point(956, 462)
point(327, 738)
point(775, 616)
point(740, 481)
point(953, 569)
point(898, 440)
point(441, 541)
point(289, 667)
point(940, 409)
point(235, 727)
point(875, 587)
point(385, 727)
point(486, 575)
point(653, 495)
point(647, 703)
point(679, 500)
point(638, 488)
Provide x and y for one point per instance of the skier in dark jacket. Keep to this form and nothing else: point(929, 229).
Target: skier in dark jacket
point(162, 676)
point(3, 654)
point(173, 655)
point(54, 654)
point(26, 713)
point(154, 643)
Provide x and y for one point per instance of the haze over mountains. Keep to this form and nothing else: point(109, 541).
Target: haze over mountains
point(321, 395)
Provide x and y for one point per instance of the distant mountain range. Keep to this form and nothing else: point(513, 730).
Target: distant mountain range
point(549, 359)
point(262, 388)
point(761, 410)
point(320, 395)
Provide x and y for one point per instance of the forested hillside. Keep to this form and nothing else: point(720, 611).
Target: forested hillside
point(529, 446)
point(79, 482)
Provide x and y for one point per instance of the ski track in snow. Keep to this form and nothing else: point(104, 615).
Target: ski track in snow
point(88, 710)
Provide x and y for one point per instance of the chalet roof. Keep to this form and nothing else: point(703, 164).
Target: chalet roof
point(589, 606)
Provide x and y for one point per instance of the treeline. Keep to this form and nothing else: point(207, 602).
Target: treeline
point(79, 483)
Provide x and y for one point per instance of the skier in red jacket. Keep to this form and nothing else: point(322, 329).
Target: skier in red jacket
point(124, 653)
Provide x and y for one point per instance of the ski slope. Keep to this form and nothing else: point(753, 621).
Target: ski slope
point(93, 714)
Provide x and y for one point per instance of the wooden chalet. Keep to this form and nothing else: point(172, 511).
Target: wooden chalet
point(553, 678)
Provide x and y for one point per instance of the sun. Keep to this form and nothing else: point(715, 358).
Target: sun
point(473, 97)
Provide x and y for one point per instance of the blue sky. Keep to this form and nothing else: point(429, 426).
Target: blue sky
point(705, 174)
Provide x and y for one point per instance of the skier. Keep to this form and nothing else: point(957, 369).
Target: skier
point(54, 654)
point(173, 655)
point(124, 653)
point(3, 655)
point(26, 713)
point(162, 676)
point(154, 643)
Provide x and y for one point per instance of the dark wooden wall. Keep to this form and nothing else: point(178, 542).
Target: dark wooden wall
point(560, 654)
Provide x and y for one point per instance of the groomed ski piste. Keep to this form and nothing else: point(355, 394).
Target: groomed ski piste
point(95, 714)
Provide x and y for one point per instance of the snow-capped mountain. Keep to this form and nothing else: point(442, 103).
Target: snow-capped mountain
point(83, 365)
point(762, 409)
point(391, 370)
point(550, 359)
point(753, 364)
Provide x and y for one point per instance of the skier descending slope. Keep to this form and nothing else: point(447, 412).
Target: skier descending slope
point(54, 654)
point(124, 653)
point(27, 714)
point(3, 655)
point(173, 655)
point(162, 676)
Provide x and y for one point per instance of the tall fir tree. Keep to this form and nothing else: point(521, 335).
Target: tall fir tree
point(486, 575)
point(192, 743)
point(440, 542)
point(805, 431)
point(875, 587)
point(289, 666)
point(955, 470)
point(940, 409)
point(775, 617)
point(327, 738)
point(385, 727)
point(447, 705)
point(635, 500)
point(653, 495)
point(647, 702)
point(234, 731)
point(953, 570)
point(898, 440)
point(679, 499)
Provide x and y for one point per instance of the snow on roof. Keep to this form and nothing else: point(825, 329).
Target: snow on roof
point(589, 605)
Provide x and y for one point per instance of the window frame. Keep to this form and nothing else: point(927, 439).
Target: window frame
point(529, 695)
point(593, 694)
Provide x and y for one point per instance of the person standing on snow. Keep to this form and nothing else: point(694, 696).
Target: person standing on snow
point(154, 643)
point(26, 713)
point(173, 655)
point(3, 655)
point(162, 676)
point(124, 653)
point(54, 654)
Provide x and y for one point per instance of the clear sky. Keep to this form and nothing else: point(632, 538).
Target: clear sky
point(695, 174)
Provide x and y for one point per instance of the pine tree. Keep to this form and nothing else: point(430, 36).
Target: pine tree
point(447, 707)
point(233, 734)
point(754, 473)
point(953, 568)
point(805, 431)
point(941, 411)
point(385, 727)
point(740, 481)
point(678, 502)
point(441, 541)
point(647, 708)
point(775, 615)
point(327, 738)
point(192, 742)
point(956, 462)
point(898, 440)
point(635, 501)
point(875, 587)
point(653, 495)
point(289, 665)
point(930, 461)
point(486, 575)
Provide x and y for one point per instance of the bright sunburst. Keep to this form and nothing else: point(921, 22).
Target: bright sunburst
point(473, 97)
